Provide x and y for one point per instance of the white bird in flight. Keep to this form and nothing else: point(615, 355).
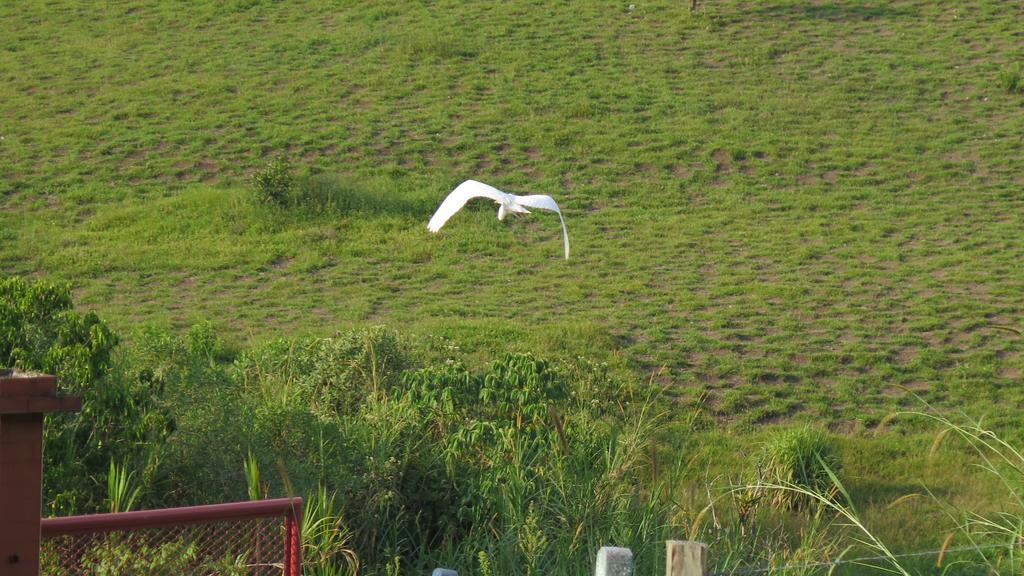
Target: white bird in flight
point(507, 203)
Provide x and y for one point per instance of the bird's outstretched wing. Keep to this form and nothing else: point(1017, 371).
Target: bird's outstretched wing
point(457, 199)
point(541, 201)
point(544, 202)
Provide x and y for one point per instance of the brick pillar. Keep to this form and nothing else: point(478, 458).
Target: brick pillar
point(24, 398)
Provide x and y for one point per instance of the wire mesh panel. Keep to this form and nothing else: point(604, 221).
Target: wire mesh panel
point(195, 540)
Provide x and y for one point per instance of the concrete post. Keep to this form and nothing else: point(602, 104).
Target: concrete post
point(24, 398)
point(613, 561)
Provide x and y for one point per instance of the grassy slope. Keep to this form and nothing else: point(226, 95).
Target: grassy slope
point(793, 207)
point(822, 199)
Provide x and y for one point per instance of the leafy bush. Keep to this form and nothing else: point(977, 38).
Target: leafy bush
point(515, 460)
point(274, 181)
point(406, 465)
point(526, 466)
point(540, 478)
point(40, 331)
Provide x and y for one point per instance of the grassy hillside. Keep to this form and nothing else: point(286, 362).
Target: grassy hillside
point(778, 210)
point(790, 207)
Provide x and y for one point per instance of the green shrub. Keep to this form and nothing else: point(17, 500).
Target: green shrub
point(328, 375)
point(532, 462)
point(119, 420)
point(39, 330)
point(802, 458)
point(517, 461)
point(540, 477)
point(273, 182)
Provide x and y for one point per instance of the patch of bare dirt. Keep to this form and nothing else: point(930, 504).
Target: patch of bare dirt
point(533, 154)
point(723, 160)
point(1009, 372)
point(282, 263)
point(567, 181)
point(865, 169)
point(533, 173)
point(906, 355)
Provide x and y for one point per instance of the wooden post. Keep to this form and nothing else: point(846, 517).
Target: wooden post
point(685, 558)
point(24, 398)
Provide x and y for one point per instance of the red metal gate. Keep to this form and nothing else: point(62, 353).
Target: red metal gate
point(258, 538)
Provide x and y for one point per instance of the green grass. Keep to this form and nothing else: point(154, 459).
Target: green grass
point(778, 210)
point(808, 204)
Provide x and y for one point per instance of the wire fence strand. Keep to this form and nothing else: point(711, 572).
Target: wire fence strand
point(864, 560)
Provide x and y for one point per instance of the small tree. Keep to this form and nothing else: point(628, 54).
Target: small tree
point(274, 181)
point(121, 418)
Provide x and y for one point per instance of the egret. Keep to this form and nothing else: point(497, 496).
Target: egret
point(507, 204)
